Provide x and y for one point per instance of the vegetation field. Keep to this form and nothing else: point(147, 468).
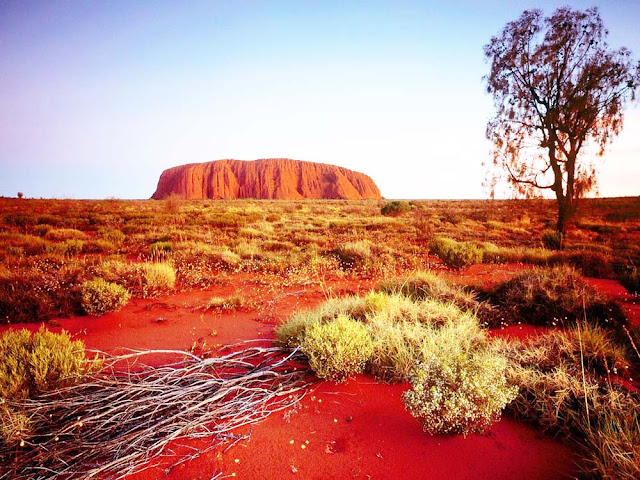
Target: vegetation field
point(464, 319)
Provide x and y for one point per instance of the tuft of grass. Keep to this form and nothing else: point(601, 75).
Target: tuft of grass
point(60, 234)
point(158, 276)
point(553, 296)
point(553, 239)
point(566, 387)
point(456, 254)
point(353, 254)
point(100, 297)
point(232, 302)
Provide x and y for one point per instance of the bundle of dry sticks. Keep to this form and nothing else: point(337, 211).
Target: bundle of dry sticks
point(118, 423)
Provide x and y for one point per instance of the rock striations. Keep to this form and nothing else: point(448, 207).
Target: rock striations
point(270, 178)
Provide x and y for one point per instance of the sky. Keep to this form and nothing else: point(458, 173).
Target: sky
point(97, 98)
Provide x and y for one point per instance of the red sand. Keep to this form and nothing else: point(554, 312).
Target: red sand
point(357, 429)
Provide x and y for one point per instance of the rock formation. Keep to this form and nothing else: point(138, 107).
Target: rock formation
point(270, 178)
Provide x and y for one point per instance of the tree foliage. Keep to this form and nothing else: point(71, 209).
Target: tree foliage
point(559, 93)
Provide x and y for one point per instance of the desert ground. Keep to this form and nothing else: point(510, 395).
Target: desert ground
point(478, 288)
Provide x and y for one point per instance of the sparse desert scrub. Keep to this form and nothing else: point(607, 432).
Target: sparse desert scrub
point(100, 297)
point(36, 290)
point(455, 254)
point(565, 382)
point(435, 345)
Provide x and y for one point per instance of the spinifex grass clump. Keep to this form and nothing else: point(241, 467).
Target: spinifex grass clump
point(427, 285)
point(567, 386)
point(396, 337)
point(158, 276)
point(100, 297)
point(554, 296)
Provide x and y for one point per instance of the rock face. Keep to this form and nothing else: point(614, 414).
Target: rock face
point(271, 178)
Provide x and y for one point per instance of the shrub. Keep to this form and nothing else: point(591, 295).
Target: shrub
point(338, 349)
point(159, 276)
point(575, 397)
point(395, 208)
point(48, 287)
point(40, 362)
point(404, 331)
point(100, 297)
point(591, 264)
point(459, 394)
point(113, 236)
point(59, 234)
point(551, 296)
point(456, 254)
point(98, 246)
point(118, 271)
point(427, 285)
point(552, 239)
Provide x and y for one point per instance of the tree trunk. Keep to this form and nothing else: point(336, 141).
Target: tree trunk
point(566, 210)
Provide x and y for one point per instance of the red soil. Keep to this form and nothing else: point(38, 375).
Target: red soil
point(357, 429)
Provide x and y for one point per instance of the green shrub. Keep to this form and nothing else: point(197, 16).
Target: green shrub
point(456, 254)
point(553, 239)
point(40, 362)
point(100, 297)
point(338, 349)
point(395, 208)
point(428, 285)
point(159, 276)
point(459, 394)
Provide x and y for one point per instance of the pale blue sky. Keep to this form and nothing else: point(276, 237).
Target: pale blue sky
point(98, 97)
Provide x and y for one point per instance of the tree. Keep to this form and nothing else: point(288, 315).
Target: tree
point(559, 93)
